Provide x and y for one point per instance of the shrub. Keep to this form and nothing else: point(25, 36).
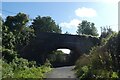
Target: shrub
point(114, 48)
point(8, 54)
point(7, 70)
point(22, 68)
point(102, 62)
point(97, 64)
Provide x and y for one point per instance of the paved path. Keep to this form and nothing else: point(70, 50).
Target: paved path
point(61, 72)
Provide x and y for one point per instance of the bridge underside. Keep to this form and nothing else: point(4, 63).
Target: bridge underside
point(44, 43)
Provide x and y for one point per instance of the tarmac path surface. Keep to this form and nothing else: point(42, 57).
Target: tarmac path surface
point(61, 72)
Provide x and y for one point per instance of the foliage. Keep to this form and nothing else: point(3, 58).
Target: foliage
point(23, 39)
point(57, 52)
point(29, 69)
point(114, 48)
point(7, 70)
point(102, 62)
point(98, 64)
point(15, 67)
point(87, 28)
point(16, 23)
point(114, 75)
point(105, 32)
point(8, 54)
point(21, 68)
point(8, 38)
point(57, 58)
point(15, 36)
point(45, 24)
point(15, 33)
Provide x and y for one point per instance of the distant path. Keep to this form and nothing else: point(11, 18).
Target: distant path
point(61, 72)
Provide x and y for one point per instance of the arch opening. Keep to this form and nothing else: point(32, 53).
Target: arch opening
point(65, 51)
point(60, 57)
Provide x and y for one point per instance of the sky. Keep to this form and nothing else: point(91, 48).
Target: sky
point(68, 14)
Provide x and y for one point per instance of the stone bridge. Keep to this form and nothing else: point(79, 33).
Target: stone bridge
point(44, 43)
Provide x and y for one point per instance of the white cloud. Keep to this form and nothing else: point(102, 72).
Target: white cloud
point(72, 24)
point(85, 12)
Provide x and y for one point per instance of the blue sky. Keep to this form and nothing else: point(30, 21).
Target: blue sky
point(68, 14)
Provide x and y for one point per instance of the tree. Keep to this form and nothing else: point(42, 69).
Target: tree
point(15, 32)
point(45, 24)
point(16, 23)
point(87, 28)
point(105, 32)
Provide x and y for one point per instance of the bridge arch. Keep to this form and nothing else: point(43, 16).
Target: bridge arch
point(44, 43)
point(71, 57)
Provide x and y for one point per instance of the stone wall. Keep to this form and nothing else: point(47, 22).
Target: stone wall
point(44, 43)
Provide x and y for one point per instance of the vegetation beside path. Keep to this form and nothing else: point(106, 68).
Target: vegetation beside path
point(103, 61)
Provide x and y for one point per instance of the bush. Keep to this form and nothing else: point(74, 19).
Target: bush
point(96, 64)
point(102, 62)
point(33, 72)
point(7, 70)
point(22, 68)
point(114, 48)
point(8, 54)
